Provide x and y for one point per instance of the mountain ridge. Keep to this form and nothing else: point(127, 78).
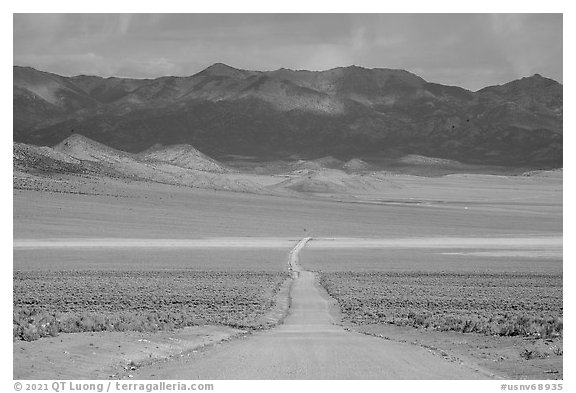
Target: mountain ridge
point(345, 112)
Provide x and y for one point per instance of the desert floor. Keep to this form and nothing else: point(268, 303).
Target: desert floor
point(455, 223)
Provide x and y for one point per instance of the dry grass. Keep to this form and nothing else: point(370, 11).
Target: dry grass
point(506, 304)
point(47, 303)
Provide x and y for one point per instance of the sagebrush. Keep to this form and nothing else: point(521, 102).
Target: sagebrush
point(506, 304)
point(46, 303)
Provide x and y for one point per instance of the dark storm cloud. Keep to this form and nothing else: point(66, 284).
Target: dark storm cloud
point(471, 50)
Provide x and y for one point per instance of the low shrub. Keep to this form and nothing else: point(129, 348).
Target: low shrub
point(47, 303)
point(504, 304)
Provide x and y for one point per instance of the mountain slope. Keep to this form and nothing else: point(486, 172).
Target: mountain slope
point(535, 92)
point(80, 155)
point(346, 112)
point(184, 156)
point(84, 149)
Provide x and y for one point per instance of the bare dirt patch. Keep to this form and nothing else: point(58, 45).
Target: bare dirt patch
point(102, 355)
point(507, 357)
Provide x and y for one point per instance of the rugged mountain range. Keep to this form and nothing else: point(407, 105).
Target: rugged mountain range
point(350, 112)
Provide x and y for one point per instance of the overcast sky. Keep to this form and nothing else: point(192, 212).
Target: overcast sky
point(468, 50)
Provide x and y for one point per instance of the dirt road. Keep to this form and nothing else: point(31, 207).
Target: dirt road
point(308, 345)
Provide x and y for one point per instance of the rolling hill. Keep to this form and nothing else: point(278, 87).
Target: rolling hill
point(184, 156)
point(79, 155)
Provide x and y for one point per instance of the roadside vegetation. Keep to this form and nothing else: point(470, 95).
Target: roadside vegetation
point(48, 303)
point(503, 304)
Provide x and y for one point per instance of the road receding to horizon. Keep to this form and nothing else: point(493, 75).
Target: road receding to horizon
point(310, 345)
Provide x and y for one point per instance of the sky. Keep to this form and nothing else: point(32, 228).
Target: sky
point(467, 50)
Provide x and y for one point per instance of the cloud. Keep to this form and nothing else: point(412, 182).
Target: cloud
point(470, 50)
point(124, 23)
point(83, 63)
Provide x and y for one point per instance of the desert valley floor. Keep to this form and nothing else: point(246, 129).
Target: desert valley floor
point(362, 197)
point(449, 277)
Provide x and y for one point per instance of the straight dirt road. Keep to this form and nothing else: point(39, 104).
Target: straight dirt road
point(309, 345)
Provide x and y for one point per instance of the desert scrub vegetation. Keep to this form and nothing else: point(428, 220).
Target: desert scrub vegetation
point(47, 303)
point(506, 304)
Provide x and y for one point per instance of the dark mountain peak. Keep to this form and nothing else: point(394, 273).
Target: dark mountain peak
point(354, 67)
point(535, 81)
point(27, 73)
point(220, 66)
point(374, 82)
point(221, 69)
point(57, 90)
point(383, 74)
point(539, 79)
point(21, 68)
